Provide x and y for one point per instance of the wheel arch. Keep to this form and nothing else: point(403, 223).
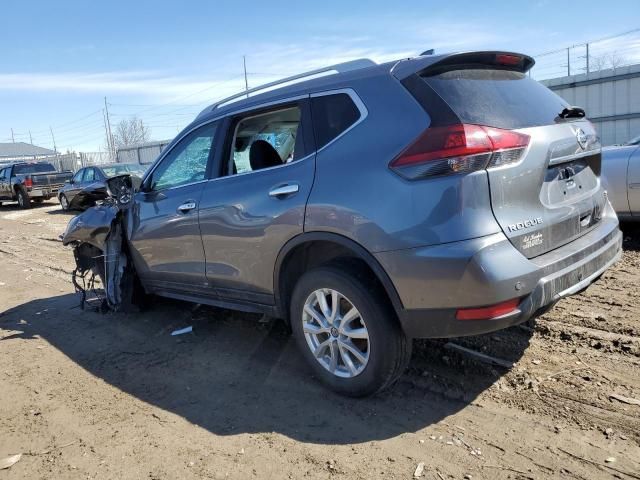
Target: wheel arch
point(299, 244)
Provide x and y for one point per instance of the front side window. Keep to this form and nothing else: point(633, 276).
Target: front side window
point(187, 162)
point(89, 175)
point(266, 140)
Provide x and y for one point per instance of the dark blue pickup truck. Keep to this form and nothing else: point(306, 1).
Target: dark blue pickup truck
point(26, 182)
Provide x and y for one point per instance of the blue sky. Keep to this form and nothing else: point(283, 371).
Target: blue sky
point(165, 61)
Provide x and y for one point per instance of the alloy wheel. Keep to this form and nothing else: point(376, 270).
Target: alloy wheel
point(336, 333)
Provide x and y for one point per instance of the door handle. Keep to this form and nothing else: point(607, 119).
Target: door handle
point(284, 190)
point(187, 207)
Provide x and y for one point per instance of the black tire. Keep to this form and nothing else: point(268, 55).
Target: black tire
point(23, 198)
point(389, 348)
point(64, 204)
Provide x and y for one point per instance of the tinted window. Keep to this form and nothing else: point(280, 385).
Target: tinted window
point(33, 168)
point(497, 98)
point(186, 162)
point(78, 176)
point(332, 115)
point(89, 175)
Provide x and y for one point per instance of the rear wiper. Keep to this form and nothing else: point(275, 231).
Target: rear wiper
point(572, 112)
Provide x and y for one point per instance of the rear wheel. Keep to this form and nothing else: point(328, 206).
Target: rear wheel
point(347, 331)
point(23, 199)
point(64, 203)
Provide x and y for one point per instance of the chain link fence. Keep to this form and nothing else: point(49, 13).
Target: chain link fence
point(606, 53)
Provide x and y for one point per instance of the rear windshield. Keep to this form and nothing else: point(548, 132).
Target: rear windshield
point(115, 170)
point(33, 168)
point(497, 98)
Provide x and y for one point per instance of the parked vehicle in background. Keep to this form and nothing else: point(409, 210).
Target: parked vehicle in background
point(367, 204)
point(88, 184)
point(27, 182)
point(621, 178)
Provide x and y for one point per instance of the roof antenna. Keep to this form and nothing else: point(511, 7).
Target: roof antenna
point(428, 52)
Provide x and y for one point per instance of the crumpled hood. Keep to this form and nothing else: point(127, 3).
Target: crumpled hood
point(91, 226)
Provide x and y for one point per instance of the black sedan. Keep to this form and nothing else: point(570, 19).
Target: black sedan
point(88, 184)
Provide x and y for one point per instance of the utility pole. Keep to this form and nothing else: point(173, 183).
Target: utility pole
point(30, 138)
point(246, 83)
point(568, 61)
point(12, 137)
point(587, 58)
point(106, 130)
point(55, 149)
point(110, 137)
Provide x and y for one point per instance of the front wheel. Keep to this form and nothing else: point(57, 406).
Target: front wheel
point(347, 331)
point(64, 203)
point(23, 199)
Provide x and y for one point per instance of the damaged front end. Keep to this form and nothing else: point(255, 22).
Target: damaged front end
point(100, 249)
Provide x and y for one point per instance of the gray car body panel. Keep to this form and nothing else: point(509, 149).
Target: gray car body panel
point(621, 179)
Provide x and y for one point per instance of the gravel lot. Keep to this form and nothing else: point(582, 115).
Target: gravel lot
point(89, 395)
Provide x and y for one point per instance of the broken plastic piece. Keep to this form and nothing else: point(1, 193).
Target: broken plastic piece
point(10, 461)
point(181, 331)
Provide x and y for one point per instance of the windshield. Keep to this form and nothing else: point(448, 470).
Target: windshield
point(33, 168)
point(634, 141)
point(123, 169)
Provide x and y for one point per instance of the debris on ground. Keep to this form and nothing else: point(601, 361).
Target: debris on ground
point(623, 399)
point(10, 461)
point(419, 471)
point(182, 331)
point(479, 356)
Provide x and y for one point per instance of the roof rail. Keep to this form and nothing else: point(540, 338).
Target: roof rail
point(340, 68)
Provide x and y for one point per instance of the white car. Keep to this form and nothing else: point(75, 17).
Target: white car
point(621, 178)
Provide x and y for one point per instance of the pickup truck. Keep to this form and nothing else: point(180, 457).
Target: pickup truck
point(621, 178)
point(27, 182)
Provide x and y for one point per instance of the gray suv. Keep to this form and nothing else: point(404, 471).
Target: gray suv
point(370, 204)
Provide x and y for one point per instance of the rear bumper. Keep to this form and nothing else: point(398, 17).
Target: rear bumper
point(434, 282)
point(44, 192)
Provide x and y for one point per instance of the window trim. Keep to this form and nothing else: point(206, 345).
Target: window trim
point(364, 112)
point(175, 143)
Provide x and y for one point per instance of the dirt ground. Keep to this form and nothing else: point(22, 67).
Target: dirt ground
point(114, 396)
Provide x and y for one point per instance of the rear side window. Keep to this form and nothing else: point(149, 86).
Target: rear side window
point(497, 98)
point(332, 115)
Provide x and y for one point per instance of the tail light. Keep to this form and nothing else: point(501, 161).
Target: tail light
point(488, 313)
point(28, 182)
point(460, 148)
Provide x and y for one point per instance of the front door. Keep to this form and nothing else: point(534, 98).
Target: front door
point(257, 203)
point(164, 234)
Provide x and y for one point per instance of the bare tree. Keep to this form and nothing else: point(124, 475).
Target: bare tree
point(130, 131)
point(606, 60)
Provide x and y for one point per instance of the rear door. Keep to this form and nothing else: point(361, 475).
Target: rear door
point(549, 193)
point(257, 203)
